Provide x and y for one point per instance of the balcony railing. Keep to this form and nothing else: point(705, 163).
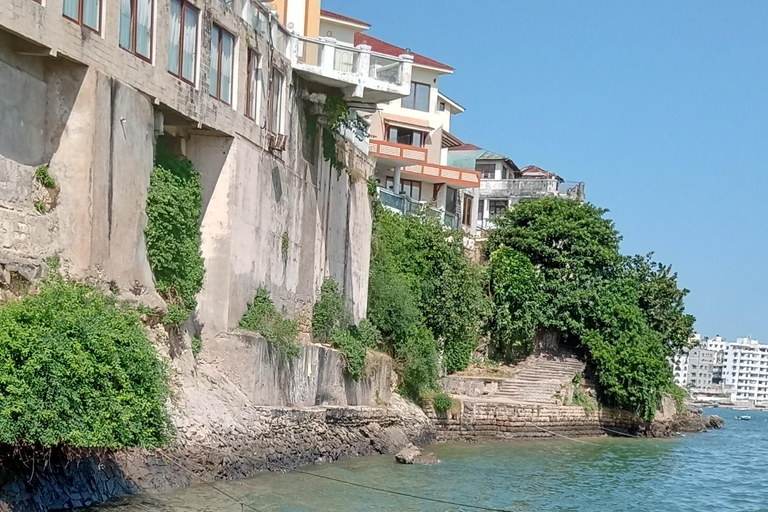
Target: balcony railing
point(405, 205)
point(532, 188)
point(342, 64)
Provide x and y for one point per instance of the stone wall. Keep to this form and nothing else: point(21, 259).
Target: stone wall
point(478, 420)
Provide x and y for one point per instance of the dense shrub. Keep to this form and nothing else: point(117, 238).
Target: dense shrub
point(174, 208)
point(442, 402)
point(329, 314)
point(76, 369)
point(262, 317)
point(367, 333)
point(418, 364)
point(353, 350)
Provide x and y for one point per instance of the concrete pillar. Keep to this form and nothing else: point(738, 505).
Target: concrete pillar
point(362, 69)
point(398, 176)
point(406, 69)
point(328, 54)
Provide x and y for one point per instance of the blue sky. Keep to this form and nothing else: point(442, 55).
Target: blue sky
point(660, 107)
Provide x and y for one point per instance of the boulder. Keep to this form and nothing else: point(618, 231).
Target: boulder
point(714, 421)
point(411, 454)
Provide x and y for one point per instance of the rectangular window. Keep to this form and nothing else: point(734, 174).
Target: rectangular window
point(480, 209)
point(466, 216)
point(220, 74)
point(276, 102)
point(182, 49)
point(496, 206)
point(83, 12)
point(408, 187)
point(451, 200)
point(406, 136)
point(488, 170)
point(136, 27)
point(419, 97)
point(254, 80)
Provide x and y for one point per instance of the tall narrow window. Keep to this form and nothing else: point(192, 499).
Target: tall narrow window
point(419, 97)
point(466, 216)
point(182, 47)
point(276, 102)
point(136, 27)
point(254, 80)
point(83, 12)
point(220, 74)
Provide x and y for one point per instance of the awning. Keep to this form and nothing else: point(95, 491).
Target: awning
point(450, 140)
point(407, 122)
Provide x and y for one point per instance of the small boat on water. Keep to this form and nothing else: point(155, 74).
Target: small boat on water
point(744, 417)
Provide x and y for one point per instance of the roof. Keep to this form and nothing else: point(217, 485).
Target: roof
point(379, 46)
point(532, 171)
point(472, 154)
point(456, 108)
point(466, 147)
point(344, 19)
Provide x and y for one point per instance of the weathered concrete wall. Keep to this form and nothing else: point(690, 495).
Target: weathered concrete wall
point(471, 386)
point(485, 419)
point(315, 377)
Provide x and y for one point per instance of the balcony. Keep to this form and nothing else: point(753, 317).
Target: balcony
point(403, 204)
point(531, 189)
point(454, 176)
point(393, 154)
point(363, 75)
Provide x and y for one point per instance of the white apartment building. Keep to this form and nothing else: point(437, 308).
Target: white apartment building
point(745, 370)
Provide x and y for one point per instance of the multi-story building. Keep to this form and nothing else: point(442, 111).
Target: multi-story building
point(745, 371)
point(680, 368)
point(503, 184)
point(90, 88)
point(410, 137)
point(700, 366)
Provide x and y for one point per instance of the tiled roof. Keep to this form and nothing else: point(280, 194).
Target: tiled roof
point(465, 147)
point(532, 170)
point(345, 19)
point(377, 45)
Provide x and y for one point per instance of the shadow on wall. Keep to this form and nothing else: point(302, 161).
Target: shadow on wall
point(38, 94)
point(34, 479)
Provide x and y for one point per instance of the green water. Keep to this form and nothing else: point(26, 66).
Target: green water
point(725, 470)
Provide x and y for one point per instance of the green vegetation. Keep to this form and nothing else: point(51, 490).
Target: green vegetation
point(354, 352)
point(424, 296)
point(41, 207)
point(335, 117)
point(43, 176)
point(196, 345)
point(555, 265)
point(584, 400)
point(442, 402)
point(284, 241)
point(329, 314)
point(262, 317)
point(76, 369)
point(174, 208)
point(680, 395)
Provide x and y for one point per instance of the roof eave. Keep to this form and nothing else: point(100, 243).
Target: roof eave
point(361, 26)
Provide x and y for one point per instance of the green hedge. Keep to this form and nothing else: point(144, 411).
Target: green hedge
point(76, 369)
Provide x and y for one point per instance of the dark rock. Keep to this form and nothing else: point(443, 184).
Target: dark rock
point(714, 421)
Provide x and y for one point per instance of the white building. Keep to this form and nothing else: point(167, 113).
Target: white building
point(745, 370)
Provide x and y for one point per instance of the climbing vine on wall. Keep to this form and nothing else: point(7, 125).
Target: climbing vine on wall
point(334, 118)
point(174, 208)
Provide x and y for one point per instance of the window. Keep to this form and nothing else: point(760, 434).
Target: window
point(451, 199)
point(480, 209)
point(182, 50)
point(220, 74)
point(136, 27)
point(488, 170)
point(496, 206)
point(406, 136)
point(84, 12)
point(466, 216)
point(254, 80)
point(419, 97)
point(441, 106)
point(276, 101)
point(408, 187)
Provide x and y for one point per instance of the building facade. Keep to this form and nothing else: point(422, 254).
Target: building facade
point(745, 371)
point(410, 136)
point(91, 88)
point(503, 184)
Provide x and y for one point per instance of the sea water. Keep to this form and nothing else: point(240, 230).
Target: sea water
point(721, 470)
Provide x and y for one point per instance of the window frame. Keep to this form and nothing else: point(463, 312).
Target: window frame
point(413, 94)
point(406, 187)
point(80, 9)
point(483, 168)
point(222, 34)
point(493, 209)
point(253, 84)
point(423, 136)
point(134, 29)
point(276, 109)
point(184, 4)
point(466, 217)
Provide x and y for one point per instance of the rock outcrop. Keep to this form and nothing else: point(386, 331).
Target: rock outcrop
point(411, 454)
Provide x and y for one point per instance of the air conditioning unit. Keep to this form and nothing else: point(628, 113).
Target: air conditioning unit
point(276, 142)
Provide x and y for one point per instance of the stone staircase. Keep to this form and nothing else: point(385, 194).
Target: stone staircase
point(539, 377)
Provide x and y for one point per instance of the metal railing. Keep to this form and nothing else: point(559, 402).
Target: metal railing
point(451, 221)
point(407, 206)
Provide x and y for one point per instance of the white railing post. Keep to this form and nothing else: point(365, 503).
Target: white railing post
point(406, 69)
point(362, 69)
point(327, 54)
